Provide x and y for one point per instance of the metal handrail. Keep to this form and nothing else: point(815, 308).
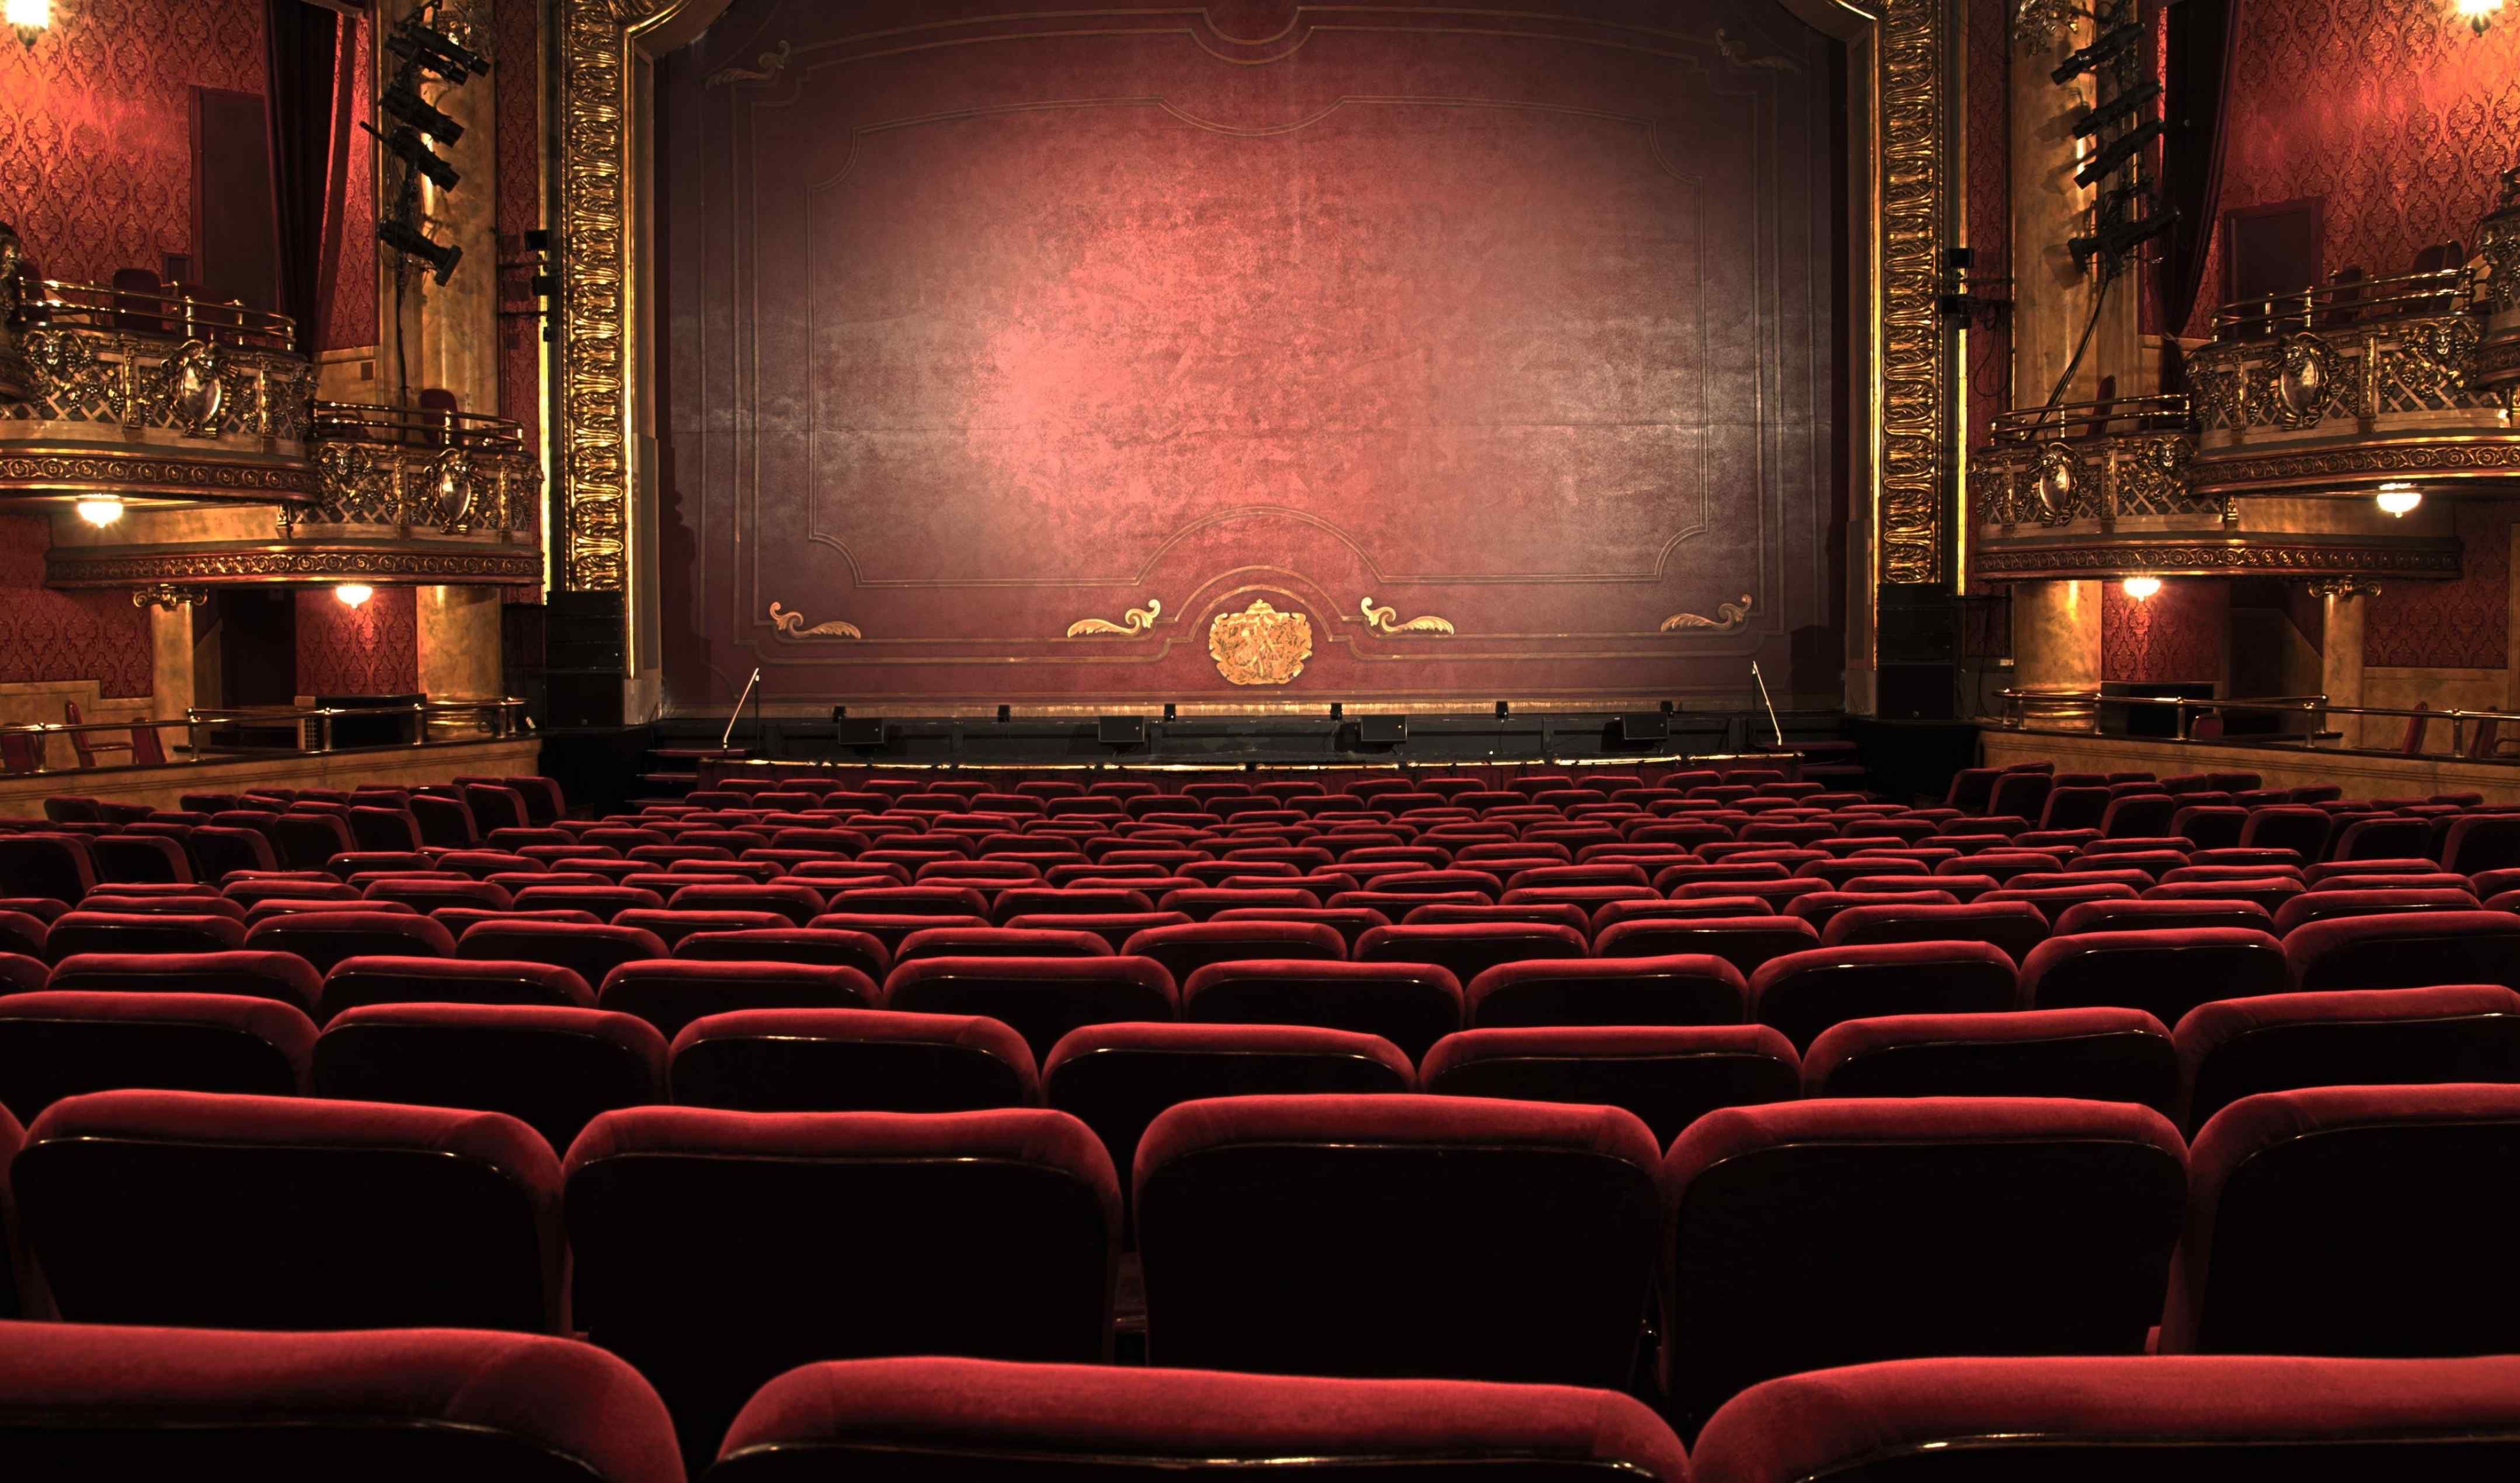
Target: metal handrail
point(2167, 413)
point(415, 427)
point(174, 313)
point(2316, 710)
point(503, 713)
point(2354, 301)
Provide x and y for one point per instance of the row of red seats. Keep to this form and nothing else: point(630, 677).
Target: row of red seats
point(103, 1402)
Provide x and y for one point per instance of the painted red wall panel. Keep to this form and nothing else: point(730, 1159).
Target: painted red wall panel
point(981, 329)
point(371, 649)
point(2465, 625)
point(2176, 634)
point(47, 635)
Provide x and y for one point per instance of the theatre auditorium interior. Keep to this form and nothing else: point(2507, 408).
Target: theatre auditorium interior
point(1581, 742)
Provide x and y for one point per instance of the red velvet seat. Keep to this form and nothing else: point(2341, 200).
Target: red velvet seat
point(1001, 943)
point(1066, 901)
point(1412, 1005)
point(325, 938)
point(2270, 893)
point(2405, 949)
point(911, 901)
point(2323, 905)
point(2419, 1184)
point(140, 932)
point(2371, 864)
point(1803, 994)
point(139, 858)
point(552, 1067)
point(1468, 949)
point(1184, 950)
point(1668, 1076)
point(294, 1213)
point(65, 1043)
point(2133, 916)
point(104, 1402)
point(305, 840)
point(670, 993)
point(357, 982)
point(1040, 997)
point(755, 1202)
point(282, 977)
point(22, 974)
point(254, 890)
point(1280, 1232)
point(590, 951)
point(1115, 928)
point(2292, 825)
point(2165, 974)
point(23, 934)
point(2013, 927)
point(1744, 942)
point(851, 1060)
point(1119, 1077)
point(1806, 1234)
point(428, 895)
point(1682, 989)
point(814, 945)
point(2481, 842)
point(495, 805)
point(2102, 1055)
point(2236, 1047)
point(671, 927)
point(798, 904)
point(1819, 908)
point(832, 1421)
point(2179, 1419)
point(605, 901)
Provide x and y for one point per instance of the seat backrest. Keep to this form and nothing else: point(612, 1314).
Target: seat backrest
point(325, 938)
point(851, 1060)
point(2405, 950)
point(1681, 989)
point(1668, 1076)
point(1276, 1230)
point(552, 1067)
point(2165, 972)
point(2016, 926)
point(2167, 1420)
point(295, 1213)
point(1787, 1223)
point(755, 1198)
point(2104, 1054)
point(670, 993)
point(84, 931)
point(1040, 998)
point(2417, 1182)
point(2236, 1047)
point(110, 1402)
point(63, 1043)
point(1802, 994)
point(1412, 1005)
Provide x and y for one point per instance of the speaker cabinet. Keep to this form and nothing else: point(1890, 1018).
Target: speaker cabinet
point(1120, 731)
point(1917, 692)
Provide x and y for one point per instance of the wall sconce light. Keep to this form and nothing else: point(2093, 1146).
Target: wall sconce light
point(2478, 14)
point(29, 19)
point(2397, 497)
point(2141, 588)
point(100, 510)
point(352, 594)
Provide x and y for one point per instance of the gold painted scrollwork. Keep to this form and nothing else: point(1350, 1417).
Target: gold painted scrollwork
point(1385, 620)
point(1260, 646)
point(193, 388)
point(793, 624)
point(1728, 617)
point(1136, 621)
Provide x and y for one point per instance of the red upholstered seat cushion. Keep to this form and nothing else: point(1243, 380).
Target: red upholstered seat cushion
point(284, 976)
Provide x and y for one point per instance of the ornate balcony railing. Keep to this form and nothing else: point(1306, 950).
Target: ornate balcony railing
point(2092, 462)
point(453, 473)
point(2498, 247)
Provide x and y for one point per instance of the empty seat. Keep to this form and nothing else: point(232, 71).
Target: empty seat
point(1184, 950)
point(2236, 1047)
point(1282, 1233)
point(2165, 974)
point(857, 949)
point(139, 859)
point(1412, 1005)
point(2104, 1054)
point(294, 1213)
point(998, 942)
point(63, 1043)
point(2405, 950)
point(2363, 1221)
point(104, 1402)
point(756, 1202)
point(2160, 916)
point(589, 951)
point(851, 1419)
point(851, 1060)
point(2016, 926)
point(1040, 998)
point(2321, 905)
point(325, 938)
point(1803, 994)
point(1468, 949)
point(1685, 989)
point(58, 866)
point(550, 1068)
point(1668, 1076)
point(141, 932)
point(355, 982)
point(1744, 942)
point(2181, 1420)
point(1804, 1234)
point(283, 976)
point(670, 993)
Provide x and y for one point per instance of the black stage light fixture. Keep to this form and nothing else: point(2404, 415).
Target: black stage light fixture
point(1668, 707)
point(420, 44)
point(2118, 152)
point(1120, 731)
point(2107, 46)
point(538, 239)
point(441, 257)
point(1172, 712)
point(2100, 115)
point(1503, 709)
point(1005, 713)
point(404, 104)
point(2118, 240)
point(1337, 710)
point(414, 151)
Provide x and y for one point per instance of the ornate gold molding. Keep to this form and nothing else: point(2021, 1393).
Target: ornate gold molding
point(793, 624)
point(1912, 373)
point(199, 475)
point(295, 563)
point(1260, 646)
point(2186, 556)
point(168, 596)
point(1728, 617)
point(1385, 620)
point(1135, 622)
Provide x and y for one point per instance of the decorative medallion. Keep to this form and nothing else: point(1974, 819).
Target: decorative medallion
point(2057, 467)
point(1385, 620)
point(793, 624)
point(1260, 646)
point(1136, 620)
point(1728, 617)
point(2298, 395)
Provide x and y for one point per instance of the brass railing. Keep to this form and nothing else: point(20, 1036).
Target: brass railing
point(2327, 306)
point(2113, 416)
point(452, 472)
point(172, 313)
point(2314, 711)
point(311, 726)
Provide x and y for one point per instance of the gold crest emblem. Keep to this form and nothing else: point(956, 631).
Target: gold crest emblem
point(1260, 646)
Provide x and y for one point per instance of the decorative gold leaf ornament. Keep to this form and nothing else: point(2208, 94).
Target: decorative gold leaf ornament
point(1136, 620)
point(1384, 620)
point(1728, 617)
point(1260, 646)
point(793, 624)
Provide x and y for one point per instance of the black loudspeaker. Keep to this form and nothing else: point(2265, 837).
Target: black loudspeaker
point(1917, 692)
point(1120, 731)
point(586, 630)
point(1919, 625)
point(858, 731)
point(1381, 731)
point(1643, 729)
point(584, 698)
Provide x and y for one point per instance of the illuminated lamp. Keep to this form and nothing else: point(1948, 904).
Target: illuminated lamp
point(2478, 14)
point(29, 19)
point(2397, 497)
point(354, 593)
point(2141, 588)
point(100, 510)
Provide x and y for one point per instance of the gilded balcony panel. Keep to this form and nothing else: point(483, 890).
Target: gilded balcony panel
point(2498, 247)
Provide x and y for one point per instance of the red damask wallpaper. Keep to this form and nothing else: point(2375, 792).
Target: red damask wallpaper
point(987, 332)
point(371, 649)
point(96, 164)
point(47, 635)
point(351, 323)
point(2393, 110)
point(2178, 633)
point(515, 28)
point(1988, 205)
point(2454, 625)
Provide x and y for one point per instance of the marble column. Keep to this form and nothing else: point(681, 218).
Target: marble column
point(458, 642)
point(2340, 660)
point(170, 666)
point(2056, 647)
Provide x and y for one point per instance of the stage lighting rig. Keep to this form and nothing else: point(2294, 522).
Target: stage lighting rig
point(421, 44)
point(2125, 106)
point(1958, 299)
point(405, 103)
point(429, 41)
point(2113, 242)
point(412, 242)
point(414, 151)
point(2100, 52)
point(2118, 152)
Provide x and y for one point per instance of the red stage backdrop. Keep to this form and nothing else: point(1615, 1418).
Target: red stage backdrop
point(1019, 357)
